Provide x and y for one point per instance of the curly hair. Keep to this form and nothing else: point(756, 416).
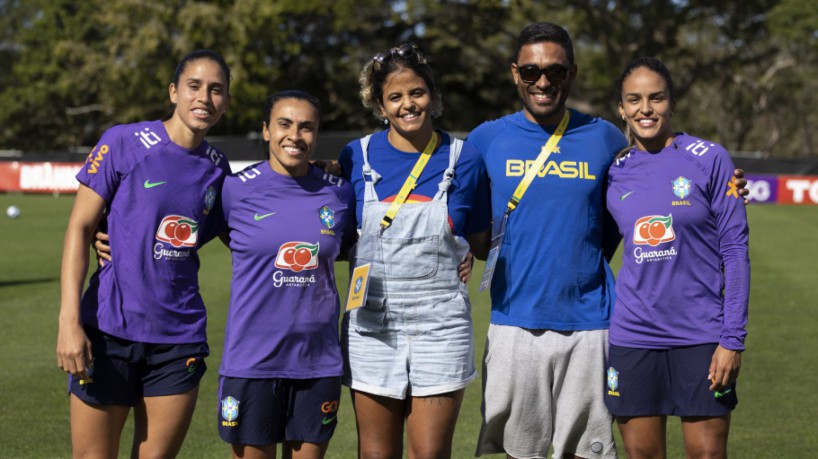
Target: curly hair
point(376, 71)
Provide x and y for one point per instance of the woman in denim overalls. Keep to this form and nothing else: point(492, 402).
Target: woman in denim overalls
point(409, 350)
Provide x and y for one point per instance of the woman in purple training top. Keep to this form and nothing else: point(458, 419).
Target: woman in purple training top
point(679, 322)
point(136, 338)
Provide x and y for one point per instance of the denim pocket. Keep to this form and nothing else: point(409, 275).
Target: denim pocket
point(411, 258)
point(369, 317)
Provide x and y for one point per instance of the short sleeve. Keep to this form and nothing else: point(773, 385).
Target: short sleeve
point(105, 165)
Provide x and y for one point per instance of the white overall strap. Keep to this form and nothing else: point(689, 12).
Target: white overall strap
point(371, 176)
point(455, 146)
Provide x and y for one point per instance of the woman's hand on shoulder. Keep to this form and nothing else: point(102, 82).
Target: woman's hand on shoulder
point(330, 167)
point(741, 184)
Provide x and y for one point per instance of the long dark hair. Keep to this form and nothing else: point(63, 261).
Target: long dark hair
point(202, 54)
point(193, 56)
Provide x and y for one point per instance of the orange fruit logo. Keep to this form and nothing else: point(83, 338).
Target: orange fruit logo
point(653, 230)
point(297, 256)
point(179, 231)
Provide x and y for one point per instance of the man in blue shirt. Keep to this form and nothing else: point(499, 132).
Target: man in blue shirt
point(552, 289)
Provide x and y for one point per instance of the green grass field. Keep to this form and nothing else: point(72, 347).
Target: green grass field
point(776, 416)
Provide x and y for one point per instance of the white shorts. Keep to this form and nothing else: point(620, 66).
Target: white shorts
point(543, 388)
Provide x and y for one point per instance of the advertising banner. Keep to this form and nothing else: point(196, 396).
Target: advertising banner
point(39, 177)
point(52, 177)
point(58, 177)
point(763, 188)
point(797, 189)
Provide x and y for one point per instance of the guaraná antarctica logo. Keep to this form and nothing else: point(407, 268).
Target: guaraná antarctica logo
point(178, 231)
point(652, 231)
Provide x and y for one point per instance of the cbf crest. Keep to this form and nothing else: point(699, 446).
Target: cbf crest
point(230, 411)
point(681, 187)
point(327, 217)
point(209, 199)
point(613, 381)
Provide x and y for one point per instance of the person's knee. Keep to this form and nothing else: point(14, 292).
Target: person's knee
point(430, 450)
point(94, 451)
point(644, 451)
point(706, 438)
point(155, 448)
point(706, 450)
point(644, 447)
point(155, 452)
point(381, 451)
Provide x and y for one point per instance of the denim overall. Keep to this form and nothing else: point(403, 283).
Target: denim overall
point(414, 335)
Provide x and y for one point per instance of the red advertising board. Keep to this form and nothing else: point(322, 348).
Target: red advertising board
point(797, 189)
point(58, 177)
point(51, 177)
point(39, 177)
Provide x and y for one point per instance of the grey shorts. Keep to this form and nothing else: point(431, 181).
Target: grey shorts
point(522, 417)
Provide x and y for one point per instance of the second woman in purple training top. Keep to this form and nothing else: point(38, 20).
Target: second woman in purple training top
point(280, 377)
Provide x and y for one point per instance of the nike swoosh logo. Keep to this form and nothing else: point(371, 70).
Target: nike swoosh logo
point(148, 184)
point(258, 217)
point(326, 420)
point(622, 198)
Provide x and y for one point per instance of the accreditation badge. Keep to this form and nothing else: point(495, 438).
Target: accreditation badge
point(498, 231)
point(358, 287)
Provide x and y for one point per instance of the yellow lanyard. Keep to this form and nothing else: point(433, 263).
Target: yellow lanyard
point(410, 182)
point(546, 151)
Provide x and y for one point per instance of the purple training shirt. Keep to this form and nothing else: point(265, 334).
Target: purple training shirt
point(683, 222)
point(285, 234)
point(159, 198)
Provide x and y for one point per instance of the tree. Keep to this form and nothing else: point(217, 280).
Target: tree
point(76, 68)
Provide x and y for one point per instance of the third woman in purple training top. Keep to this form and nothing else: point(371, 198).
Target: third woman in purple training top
point(679, 322)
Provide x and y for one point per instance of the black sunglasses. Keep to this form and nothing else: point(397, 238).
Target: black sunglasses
point(405, 51)
point(556, 73)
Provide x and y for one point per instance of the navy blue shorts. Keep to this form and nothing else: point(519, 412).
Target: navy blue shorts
point(670, 382)
point(267, 411)
point(124, 371)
